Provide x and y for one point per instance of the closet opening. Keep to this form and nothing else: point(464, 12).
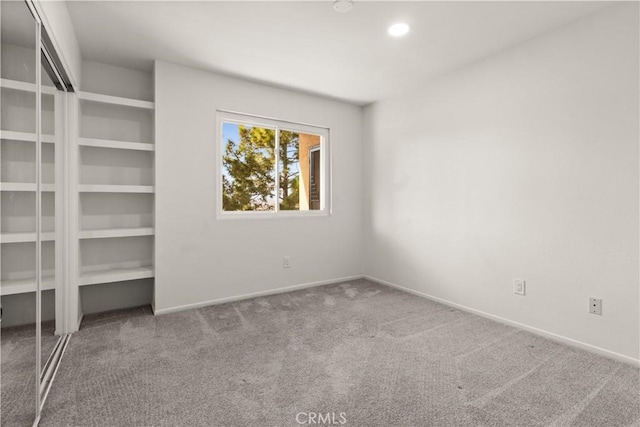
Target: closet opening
point(33, 139)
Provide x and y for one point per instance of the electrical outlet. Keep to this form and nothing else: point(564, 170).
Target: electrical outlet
point(519, 286)
point(286, 261)
point(595, 306)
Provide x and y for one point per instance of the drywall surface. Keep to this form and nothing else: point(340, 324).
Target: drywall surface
point(115, 296)
point(200, 258)
point(523, 165)
point(116, 81)
point(20, 309)
point(57, 21)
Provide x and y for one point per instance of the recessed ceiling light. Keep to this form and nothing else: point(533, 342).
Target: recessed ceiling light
point(400, 29)
point(343, 6)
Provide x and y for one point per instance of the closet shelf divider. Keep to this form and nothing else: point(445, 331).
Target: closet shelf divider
point(103, 188)
point(116, 100)
point(26, 186)
point(26, 87)
point(116, 232)
point(25, 136)
point(20, 286)
point(115, 275)
point(122, 145)
point(46, 236)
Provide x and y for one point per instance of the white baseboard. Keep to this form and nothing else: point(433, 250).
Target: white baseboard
point(559, 338)
point(80, 318)
point(254, 295)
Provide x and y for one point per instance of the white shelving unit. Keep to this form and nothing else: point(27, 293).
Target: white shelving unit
point(106, 188)
point(18, 188)
point(115, 189)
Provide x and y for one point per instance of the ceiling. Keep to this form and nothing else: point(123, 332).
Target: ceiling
point(307, 46)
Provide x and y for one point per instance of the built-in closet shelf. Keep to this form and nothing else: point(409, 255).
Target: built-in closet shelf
point(26, 87)
point(98, 188)
point(25, 136)
point(26, 237)
point(21, 286)
point(121, 145)
point(116, 232)
point(116, 100)
point(115, 275)
point(116, 159)
point(26, 186)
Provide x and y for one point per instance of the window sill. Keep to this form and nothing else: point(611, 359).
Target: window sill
point(244, 215)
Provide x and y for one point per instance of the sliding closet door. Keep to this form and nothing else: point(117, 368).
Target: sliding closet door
point(49, 189)
point(31, 123)
point(18, 213)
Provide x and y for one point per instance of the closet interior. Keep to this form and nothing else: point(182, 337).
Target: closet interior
point(115, 188)
point(77, 202)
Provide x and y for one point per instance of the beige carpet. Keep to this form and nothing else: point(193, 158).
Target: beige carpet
point(375, 355)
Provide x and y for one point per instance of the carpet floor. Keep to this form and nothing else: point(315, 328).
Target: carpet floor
point(18, 371)
point(368, 354)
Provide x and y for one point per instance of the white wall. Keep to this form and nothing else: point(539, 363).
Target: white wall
point(523, 165)
point(116, 81)
point(200, 258)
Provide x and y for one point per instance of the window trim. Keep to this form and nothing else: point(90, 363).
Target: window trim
point(323, 132)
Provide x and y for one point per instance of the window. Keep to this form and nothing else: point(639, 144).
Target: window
point(271, 167)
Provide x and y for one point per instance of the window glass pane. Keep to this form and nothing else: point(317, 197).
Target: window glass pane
point(314, 178)
point(248, 163)
point(299, 168)
point(289, 168)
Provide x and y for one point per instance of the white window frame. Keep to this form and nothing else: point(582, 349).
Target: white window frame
point(223, 116)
